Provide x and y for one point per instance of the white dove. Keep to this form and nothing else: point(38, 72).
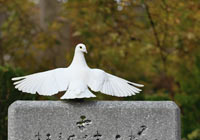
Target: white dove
point(75, 80)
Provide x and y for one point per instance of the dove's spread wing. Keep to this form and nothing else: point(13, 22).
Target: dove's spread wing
point(44, 83)
point(111, 85)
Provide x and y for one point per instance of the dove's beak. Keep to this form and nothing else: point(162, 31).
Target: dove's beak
point(85, 51)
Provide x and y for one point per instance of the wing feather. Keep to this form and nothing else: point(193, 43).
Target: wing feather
point(44, 83)
point(111, 85)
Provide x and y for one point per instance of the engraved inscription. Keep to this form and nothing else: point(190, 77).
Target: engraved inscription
point(97, 135)
point(60, 136)
point(117, 137)
point(83, 123)
point(142, 129)
point(38, 136)
point(85, 137)
point(131, 137)
point(71, 137)
point(48, 136)
point(138, 135)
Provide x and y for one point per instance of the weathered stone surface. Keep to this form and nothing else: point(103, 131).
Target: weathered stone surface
point(94, 120)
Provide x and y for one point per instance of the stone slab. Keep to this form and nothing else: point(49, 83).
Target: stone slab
point(93, 120)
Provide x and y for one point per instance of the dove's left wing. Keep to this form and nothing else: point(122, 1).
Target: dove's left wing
point(111, 85)
point(44, 83)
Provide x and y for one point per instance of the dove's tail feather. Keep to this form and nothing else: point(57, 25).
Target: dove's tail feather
point(73, 95)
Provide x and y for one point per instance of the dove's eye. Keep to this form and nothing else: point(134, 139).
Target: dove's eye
point(80, 47)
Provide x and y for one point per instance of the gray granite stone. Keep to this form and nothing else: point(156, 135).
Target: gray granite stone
point(93, 120)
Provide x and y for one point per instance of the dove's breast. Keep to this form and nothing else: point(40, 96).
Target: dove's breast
point(79, 74)
point(78, 87)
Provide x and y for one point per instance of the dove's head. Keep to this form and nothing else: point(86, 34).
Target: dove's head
point(81, 48)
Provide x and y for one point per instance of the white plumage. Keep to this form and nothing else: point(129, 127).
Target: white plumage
point(75, 80)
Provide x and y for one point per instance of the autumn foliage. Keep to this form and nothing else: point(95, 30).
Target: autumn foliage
point(155, 43)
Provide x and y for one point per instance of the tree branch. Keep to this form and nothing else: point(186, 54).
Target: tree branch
point(155, 33)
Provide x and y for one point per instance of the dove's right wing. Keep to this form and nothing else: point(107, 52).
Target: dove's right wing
point(44, 83)
point(111, 85)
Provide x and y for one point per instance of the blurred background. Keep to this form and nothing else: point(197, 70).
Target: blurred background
point(154, 42)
